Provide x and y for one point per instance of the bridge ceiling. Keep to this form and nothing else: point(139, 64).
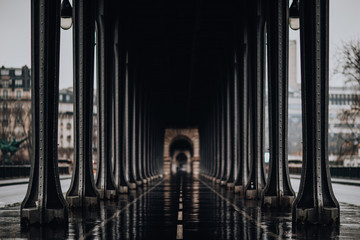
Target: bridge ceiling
point(181, 49)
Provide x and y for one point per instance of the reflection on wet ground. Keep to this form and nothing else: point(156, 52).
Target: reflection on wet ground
point(181, 207)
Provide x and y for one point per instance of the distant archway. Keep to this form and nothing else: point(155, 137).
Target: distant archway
point(181, 151)
point(183, 143)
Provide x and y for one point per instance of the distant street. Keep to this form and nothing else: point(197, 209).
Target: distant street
point(15, 193)
point(344, 193)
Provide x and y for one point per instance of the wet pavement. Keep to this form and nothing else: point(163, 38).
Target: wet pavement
point(181, 207)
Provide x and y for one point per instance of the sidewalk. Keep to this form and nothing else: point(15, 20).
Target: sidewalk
point(15, 181)
point(335, 180)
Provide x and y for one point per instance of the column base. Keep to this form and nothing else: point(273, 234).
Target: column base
point(132, 185)
point(283, 202)
point(123, 189)
point(252, 194)
point(87, 202)
point(107, 194)
point(230, 185)
point(326, 216)
point(223, 182)
point(238, 189)
point(30, 216)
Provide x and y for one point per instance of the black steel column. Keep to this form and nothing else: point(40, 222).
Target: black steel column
point(231, 128)
point(140, 135)
point(278, 191)
point(144, 140)
point(256, 181)
point(44, 202)
point(128, 126)
point(315, 203)
point(242, 90)
point(104, 177)
point(136, 128)
point(223, 132)
point(82, 191)
point(214, 145)
point(218, 139)
point(119, 98)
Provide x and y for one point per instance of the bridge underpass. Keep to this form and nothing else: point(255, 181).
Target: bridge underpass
point(179, 65)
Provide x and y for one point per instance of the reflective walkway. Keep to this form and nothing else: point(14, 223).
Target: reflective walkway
point(180, 207)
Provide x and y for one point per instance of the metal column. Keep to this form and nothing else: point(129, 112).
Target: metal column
point(44, 202)
point(82, 192)
point(104, 177)
point(256, 181)
point(315, 203)
point(128, 126)
point(119, 89)
point(278, 192)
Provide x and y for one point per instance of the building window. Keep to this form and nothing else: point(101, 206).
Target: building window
point(5, 120)
point(4, 72)
point(18, 106)
point(18, 72)
point(5, 106)
point(68, 98)
point(5, 84)
point(18, 83)
point(5, 94)
point(68, 126)
point(60, 97)
point(18, 94)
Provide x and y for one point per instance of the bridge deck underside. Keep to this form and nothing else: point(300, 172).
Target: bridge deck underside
point(208, 212)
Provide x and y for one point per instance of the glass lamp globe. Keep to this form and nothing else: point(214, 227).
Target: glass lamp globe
point(294, 23)
point(66, 15)
point(294, 19)
point(66, 22)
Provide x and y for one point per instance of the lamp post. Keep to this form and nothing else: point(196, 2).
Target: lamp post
point(66, 15)
point(294, 19)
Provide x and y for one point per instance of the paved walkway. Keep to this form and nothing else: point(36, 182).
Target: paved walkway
point(344, 181)
point(181, 207)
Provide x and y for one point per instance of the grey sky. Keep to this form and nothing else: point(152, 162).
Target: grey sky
point(15, 35)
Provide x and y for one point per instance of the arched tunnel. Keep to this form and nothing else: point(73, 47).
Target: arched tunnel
point(181, 152)
point(181, 64)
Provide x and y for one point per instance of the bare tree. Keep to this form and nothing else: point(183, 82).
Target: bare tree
point(349, 67)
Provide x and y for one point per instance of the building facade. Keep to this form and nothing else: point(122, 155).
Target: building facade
point(15, 118)
point(15, 107)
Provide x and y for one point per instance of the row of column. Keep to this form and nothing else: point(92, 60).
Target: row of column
point(232, 134)
point(129, 139)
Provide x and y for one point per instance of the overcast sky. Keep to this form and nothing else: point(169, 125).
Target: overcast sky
point(15, 35)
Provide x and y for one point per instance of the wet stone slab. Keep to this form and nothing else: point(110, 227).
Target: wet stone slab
point(208, 212)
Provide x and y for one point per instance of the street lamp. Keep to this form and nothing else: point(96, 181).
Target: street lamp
point(66, 15)
point(294, 19)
